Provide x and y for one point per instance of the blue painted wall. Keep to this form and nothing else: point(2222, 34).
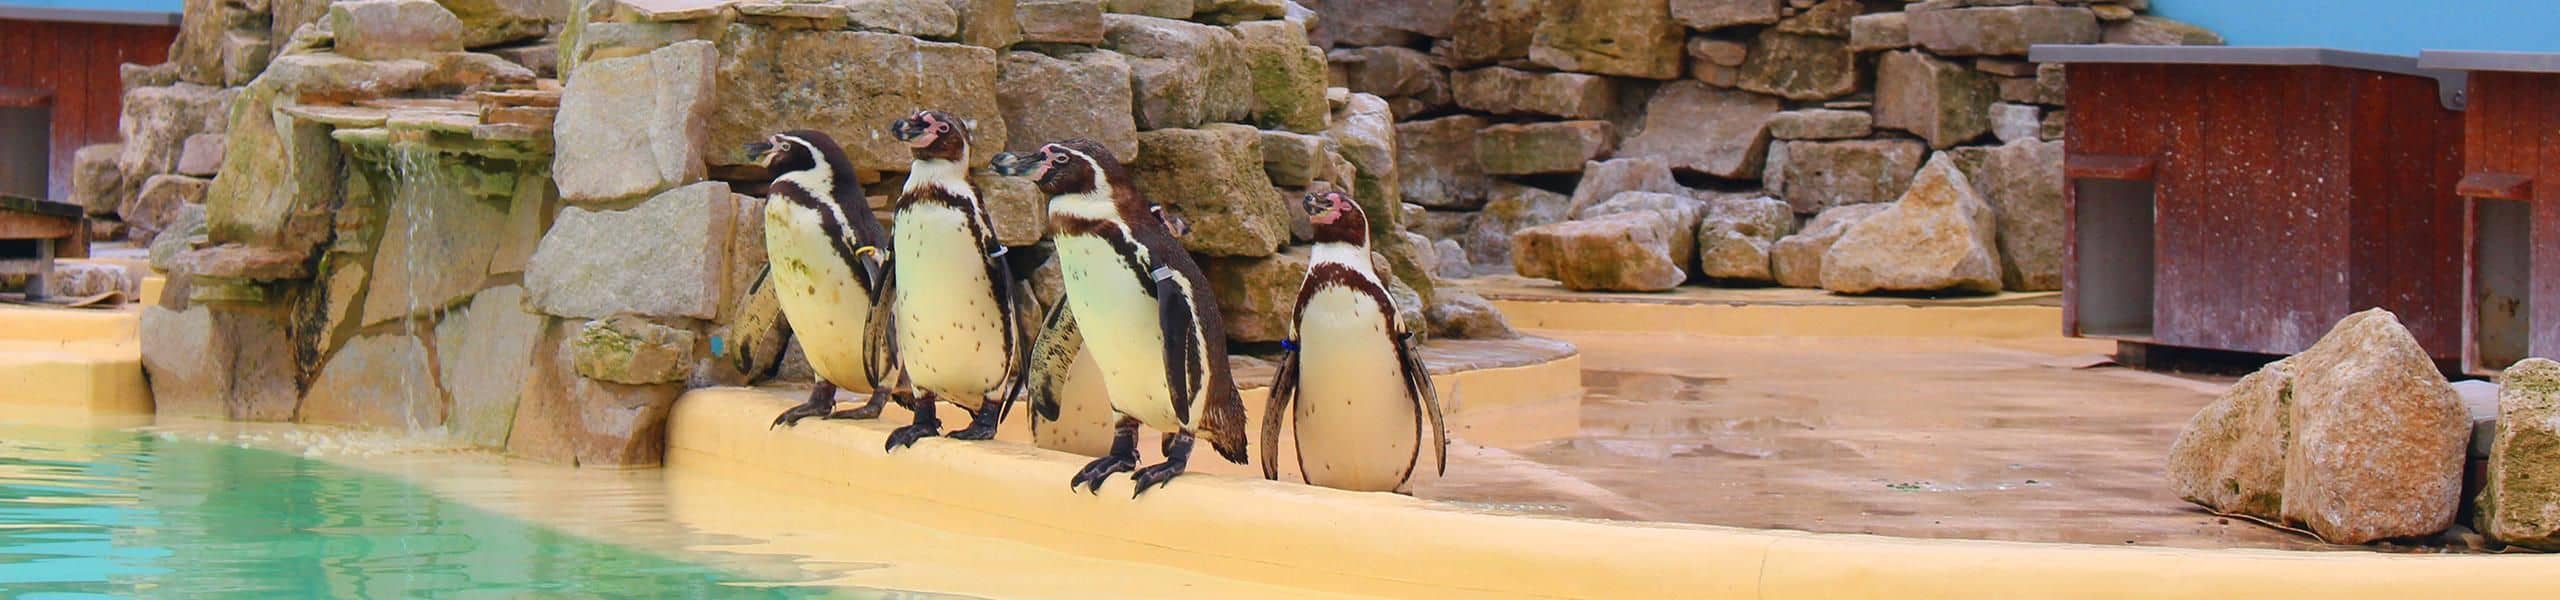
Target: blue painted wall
point(2387, 26)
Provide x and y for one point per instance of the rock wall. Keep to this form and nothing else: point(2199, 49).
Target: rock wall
point(529, 225)
point(1518, 113)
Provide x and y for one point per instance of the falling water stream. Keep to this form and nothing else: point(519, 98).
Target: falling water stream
point(415, 183)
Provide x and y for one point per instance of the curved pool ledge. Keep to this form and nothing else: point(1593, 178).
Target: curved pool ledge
point(1760, 312)
point(1365, 543)
point(58, 363)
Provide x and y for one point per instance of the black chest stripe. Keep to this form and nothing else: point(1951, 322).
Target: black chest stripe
point(833, 228)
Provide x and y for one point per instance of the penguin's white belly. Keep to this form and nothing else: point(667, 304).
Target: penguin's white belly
point(1121, 329)
point(1356, 428)
point(821, 296)
point(950, 328)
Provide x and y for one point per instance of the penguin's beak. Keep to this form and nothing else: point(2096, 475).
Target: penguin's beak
point(907, 130)
point(762, 151)
point(1015, 164)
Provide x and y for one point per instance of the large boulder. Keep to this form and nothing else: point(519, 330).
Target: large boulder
point(2001, 30)
point(2357, 439)
point(1213, 178)
point(1708, 15)
point(494, 22)
point(2146, 30)
point(772, 80)
point(201, 155)
point(2520, 505)
point(394, 29)
point(384, 381)
point(1496, 31)
point(567, 419)
point(154, 208)
point(1735, 236)
point(1942, 102)
point(628, 349)
point(1392, 72)
point(1624, 252)
point(1438, 162)
point(1796, 261)
point(1288, 76)
point(1799, 67)
point(1463, 315)
point(483, 351)
point(1508, 91)
point(1705, 130)
point(1185, 74)
point(1510, 207)
point(157, 121)
point(1258, 296)
point(1296, 160)
point(1605, 179)
point(1364, 130)
point(2023, 182)
point(1814, 176)
point(1685, 212)
point(1608, 37)
point(1940, 236)
point(1827, 18)
point(436, 246)
point(931, 19)
point(1880, 31)
point(664, 258)
point(97, 186)
point(1383, 22)
point(634, 126)
point(227, 364)
point(1059, 21)
point(1079, 95)
point(1821, 124)
point(1539, 148)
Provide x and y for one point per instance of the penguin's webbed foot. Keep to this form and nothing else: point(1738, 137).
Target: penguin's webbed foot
point(869, 410)
point(1100, 469)
point(927, 424)
point(982, 424)
point(1156, 475)
point(907, 436)
point(1177, 456)
point(790, 418)
point(822, 399)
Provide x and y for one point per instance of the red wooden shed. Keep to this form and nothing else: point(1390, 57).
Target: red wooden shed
point(2511, 205)
point(62, 60)
point(2245, 199)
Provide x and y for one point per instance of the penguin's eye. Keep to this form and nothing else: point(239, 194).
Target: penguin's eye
point(1058, 160)
point(942, 127)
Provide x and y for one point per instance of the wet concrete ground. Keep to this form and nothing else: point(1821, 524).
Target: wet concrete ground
point(1912, 437)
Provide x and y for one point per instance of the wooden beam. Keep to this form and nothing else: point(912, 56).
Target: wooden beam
point(2103, 166)
point(21, 226)
point(2495, 186)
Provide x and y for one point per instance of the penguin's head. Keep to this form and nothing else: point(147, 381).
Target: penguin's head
point(1060, 168)
point(933, 135)
point(1336, 218)
point(797, 151)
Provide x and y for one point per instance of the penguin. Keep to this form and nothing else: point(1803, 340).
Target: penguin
point(1134, 299)
point(828, 260)
point(1361, 391)
point(957, 300)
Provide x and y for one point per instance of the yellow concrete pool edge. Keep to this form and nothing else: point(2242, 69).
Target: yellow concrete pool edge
point(1362, 543)
point(72, 363)
point(1830, 320)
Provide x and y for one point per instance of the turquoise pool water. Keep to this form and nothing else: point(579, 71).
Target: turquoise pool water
point(96, 514)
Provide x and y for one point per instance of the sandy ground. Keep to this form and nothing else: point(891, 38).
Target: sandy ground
point(1932, 438)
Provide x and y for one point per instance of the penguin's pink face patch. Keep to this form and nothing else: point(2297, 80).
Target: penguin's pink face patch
point(1325, 208)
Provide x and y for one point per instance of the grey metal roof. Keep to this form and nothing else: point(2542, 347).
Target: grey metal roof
point(2467, 60)
point(2449, 83)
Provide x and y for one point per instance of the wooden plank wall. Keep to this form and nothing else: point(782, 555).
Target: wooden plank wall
point(2513, 126)
point(79, 63)
point(2278, 198)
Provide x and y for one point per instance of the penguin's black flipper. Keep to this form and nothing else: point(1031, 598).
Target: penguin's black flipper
point(1173, 315)
point(879, 335)
point(1045, 372)
point(1417, 384)
point(1284, 390)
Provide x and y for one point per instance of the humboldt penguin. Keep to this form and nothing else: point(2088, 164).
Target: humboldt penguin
point(1360, 388)
point(828, 259)
point(957, 300)
point(1138, 303)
